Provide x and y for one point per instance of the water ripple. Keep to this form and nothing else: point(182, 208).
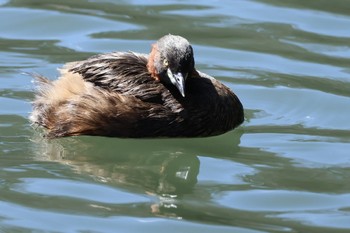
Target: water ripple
point(285, 169)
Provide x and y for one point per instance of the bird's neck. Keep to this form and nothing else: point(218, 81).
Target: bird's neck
point(150, 64)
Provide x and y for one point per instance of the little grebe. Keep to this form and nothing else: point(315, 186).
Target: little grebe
point(126, 94)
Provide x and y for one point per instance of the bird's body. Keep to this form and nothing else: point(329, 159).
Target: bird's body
point(126, 94)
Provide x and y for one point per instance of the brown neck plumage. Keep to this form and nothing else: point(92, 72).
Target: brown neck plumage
point(150, 64)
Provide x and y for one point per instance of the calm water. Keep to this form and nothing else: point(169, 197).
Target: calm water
point(286, 169)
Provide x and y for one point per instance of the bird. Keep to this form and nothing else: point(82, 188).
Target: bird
point(135, 95)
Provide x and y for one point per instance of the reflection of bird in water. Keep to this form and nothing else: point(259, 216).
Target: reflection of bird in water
point(165, 171)
point(161, 172)
point(126, 94)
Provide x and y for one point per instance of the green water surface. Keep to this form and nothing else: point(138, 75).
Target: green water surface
point(286, 169)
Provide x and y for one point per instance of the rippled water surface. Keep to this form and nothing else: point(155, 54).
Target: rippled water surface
point(286, 169)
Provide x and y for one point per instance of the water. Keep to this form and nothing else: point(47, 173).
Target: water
point(286, 169)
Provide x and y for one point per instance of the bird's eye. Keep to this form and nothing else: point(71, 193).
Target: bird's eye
point(165, 63)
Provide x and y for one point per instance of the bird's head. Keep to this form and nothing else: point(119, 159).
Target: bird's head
point(171, 61)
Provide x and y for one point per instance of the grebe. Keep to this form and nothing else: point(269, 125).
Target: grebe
point(127, 94)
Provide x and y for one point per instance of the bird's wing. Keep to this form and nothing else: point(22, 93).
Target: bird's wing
point(111, 70)
point(121, 72)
